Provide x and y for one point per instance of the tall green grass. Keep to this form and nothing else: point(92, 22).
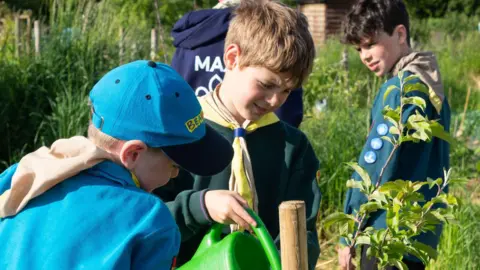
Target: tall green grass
point(46, 98)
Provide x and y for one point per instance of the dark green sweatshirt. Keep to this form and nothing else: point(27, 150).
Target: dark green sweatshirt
point(284, 167)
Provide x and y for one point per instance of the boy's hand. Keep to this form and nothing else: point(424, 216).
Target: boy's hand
point(345, 258)
point(227, 207)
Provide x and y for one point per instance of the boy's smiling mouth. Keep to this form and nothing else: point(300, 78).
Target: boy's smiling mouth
point(259, 109)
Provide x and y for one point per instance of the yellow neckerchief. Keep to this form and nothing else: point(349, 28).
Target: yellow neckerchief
point(241, 179)
point(135, 180)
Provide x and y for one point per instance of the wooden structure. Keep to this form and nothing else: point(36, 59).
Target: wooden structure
point(324, 17)
point(293, 235)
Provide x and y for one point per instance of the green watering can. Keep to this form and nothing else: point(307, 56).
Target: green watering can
point(236, 251)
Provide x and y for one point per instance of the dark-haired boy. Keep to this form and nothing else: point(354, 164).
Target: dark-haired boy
point(379, 29)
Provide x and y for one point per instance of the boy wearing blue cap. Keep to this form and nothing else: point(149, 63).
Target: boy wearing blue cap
point(379, 29)
point(84, 203)
point(269, 52)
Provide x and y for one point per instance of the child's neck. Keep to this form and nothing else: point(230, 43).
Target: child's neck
point(227, 102)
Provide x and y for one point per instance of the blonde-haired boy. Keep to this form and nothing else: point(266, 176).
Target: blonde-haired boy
point(85, 202)
point(268, 52)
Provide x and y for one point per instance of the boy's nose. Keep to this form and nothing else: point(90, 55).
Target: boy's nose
point(274, 100)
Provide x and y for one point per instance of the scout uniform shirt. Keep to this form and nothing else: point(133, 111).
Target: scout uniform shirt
point(98, 219)
point(284, 167)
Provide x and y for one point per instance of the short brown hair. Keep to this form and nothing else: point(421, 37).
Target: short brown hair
point(367, 18)
point(273, 35)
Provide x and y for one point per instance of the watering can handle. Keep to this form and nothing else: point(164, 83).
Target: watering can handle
point(266, 241)
point(213, 236)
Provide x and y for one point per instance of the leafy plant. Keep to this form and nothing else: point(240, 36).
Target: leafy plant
point(407, 213)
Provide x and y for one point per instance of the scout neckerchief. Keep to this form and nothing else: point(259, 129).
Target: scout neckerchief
point(41, 170)
point(241, 177)
point(424, 64)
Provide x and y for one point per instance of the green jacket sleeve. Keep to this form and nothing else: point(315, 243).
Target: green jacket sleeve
point(186, 205)
point(303, 186)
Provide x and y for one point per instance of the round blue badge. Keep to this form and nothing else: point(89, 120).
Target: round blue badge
point(376, 143)
point(382, 129)
point(370, 157)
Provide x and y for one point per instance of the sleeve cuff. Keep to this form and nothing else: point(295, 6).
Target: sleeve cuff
point(198, 209)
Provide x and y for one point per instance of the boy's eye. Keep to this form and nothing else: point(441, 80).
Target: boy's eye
point(266, 85)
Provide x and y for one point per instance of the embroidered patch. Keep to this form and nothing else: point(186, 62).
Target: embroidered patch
point(376, 143)
point(195, 122)
point(370, 157)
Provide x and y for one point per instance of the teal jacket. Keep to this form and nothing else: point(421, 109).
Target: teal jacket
point(412, 161)
point(97, 219)
point(285, 168)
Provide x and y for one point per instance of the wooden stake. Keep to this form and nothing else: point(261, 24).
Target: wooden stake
point(29, 34)
point(460, 129)
point(120, 46)
point(18, 43)
point(293, 235)
point(153, 44)
point(36, 33)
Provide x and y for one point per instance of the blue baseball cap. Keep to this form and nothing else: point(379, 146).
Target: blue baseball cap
point(151, 102)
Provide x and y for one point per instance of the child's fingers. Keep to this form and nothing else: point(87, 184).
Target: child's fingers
point(243, 214)
point(240, 199)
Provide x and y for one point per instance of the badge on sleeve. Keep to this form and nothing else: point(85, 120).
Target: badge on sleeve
point(382, 129)
point(370, 157)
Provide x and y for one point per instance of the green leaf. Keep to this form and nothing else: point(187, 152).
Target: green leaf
point(394, 131)
point(415, 87)
point(412, 250)
point(400, 265)
point(394, 115)
point(387, 92)
point(414, 197)
point(363, 174)
point(370, 207)
point(432, 253)
point(417, 101)
point(337, 217)
point(427, 205)
point(355, 184)
point(431, 182)
point(439, 132)
point(363, 240)
point(418, 185)
point(411, 77)
point(438, 216)
point(388, 139)
point(378, 196)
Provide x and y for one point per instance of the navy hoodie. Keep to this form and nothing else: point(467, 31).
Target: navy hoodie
point(199, 37)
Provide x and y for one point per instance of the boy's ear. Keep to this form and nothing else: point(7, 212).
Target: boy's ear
point(401, 33)
point(231, 55)
point(130, 152)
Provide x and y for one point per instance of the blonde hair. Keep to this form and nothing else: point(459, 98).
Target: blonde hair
point(109, 143)
point(275, 36)
point(101, 139)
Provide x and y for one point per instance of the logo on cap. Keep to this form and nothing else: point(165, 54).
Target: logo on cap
point(195, 122)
